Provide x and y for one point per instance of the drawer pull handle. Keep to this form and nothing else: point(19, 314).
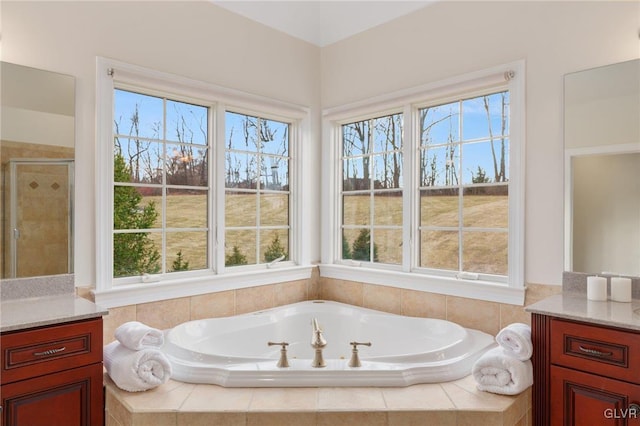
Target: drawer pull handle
point(50, 352)
point(595, 352)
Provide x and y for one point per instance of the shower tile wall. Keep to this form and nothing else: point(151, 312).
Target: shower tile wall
point(485, 316)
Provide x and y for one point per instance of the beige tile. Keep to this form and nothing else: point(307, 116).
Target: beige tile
point(209, 419)
point(424, 304)
point(290, 292)
point(537, 292)
point(417, 397)
point(342, 291)
point(284, 399)
point(165, 313)
point(281, 419)
point(213, 305)
point(361, 418)
point(422, 418)
point(478, 418)
point(155, 419)
point(254, 299)
point(167, 397)
point(216, 398)
point(478, 314)
point(382, 298)
point(85, 293)
point(313, 284)
point(111, 421)
point(513, 313)
point(116, 409)
point(466, 397)
point(116, 317)
point(357, 399)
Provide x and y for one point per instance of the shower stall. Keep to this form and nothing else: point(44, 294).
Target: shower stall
point(38, 222)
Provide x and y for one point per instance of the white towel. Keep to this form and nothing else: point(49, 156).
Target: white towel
point(498, 372)
point(516, 340)
point(135, 371)
point(136, 335)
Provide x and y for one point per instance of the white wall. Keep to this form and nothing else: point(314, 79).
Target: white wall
point(204, 42)
point(192, 39)
point(452, 38)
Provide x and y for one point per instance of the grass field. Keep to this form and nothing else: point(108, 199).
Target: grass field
point(484, 252)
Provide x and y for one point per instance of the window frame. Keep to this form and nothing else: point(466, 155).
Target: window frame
point(409, 275)
point(110, 291)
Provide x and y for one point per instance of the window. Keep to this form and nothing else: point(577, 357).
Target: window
point(256, 190)
point(430, 188)
point(196, 184)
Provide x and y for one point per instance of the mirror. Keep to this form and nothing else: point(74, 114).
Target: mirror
point(37, 154)
point(602, 169)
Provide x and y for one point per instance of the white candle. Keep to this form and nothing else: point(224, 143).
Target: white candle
point(621, 289)
point(596, 288)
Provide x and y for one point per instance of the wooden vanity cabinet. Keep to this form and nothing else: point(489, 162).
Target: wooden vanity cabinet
point(584, 374)
point(52, 375)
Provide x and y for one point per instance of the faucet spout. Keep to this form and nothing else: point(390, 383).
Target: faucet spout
point(318, 342)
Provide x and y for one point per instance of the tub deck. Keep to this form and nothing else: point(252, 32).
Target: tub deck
point(443, 404)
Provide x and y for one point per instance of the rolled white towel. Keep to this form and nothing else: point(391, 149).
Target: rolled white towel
point(135, 371)
point(498, 372)
point(516, 340)
point(136, 336)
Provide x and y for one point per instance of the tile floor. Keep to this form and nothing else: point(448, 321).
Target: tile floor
point(441, 404)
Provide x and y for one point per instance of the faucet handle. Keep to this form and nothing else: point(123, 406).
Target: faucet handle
point(283, 362)
point(355, 359)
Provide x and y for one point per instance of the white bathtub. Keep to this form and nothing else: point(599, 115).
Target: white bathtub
point(233, 351)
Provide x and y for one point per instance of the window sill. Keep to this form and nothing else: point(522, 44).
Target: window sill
point(481, 290)
point(131, 294)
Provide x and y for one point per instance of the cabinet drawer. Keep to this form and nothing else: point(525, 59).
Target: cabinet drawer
point(596, 349)
point(30, 353)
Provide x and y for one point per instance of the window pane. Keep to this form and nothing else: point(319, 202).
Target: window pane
point(241, 170)
point(274, 173)
point(485, 252)
point(355, 139)
point(274, 243)
point(356, 174)
point(439, 250)
point(136, 253)
point(387, 133)
point(240, 247)
point(186, 251)
point(187, 123)
point(348, 236)
point(486, 206)
point(274, 209)
point(137, 161)
point(387, 170)
point(387, 208)
point(387, 246)
point(187, 165)
point(356, 209)
point(440, 124)
point(439, 207)
point(241, 132)
point(485, 161)
point(275, 137)
point(137, 207)
point(137, 115)
point(186, 208)
point(442, 166)
point(485, 116)
point(360, 243)
point(240, 209)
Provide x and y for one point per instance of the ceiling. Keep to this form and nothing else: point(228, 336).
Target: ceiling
point(322, 22)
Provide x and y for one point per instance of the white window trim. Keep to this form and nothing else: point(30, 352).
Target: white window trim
point(159, 287)
point(511, 292)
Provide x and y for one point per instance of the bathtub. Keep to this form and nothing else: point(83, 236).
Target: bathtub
point(233, 351)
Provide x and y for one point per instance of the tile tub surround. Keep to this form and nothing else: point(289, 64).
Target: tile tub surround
point(489, 317)
point(185, 404)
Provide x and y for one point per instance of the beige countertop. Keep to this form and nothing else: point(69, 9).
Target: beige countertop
point(18, 314)
point(576, 306)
